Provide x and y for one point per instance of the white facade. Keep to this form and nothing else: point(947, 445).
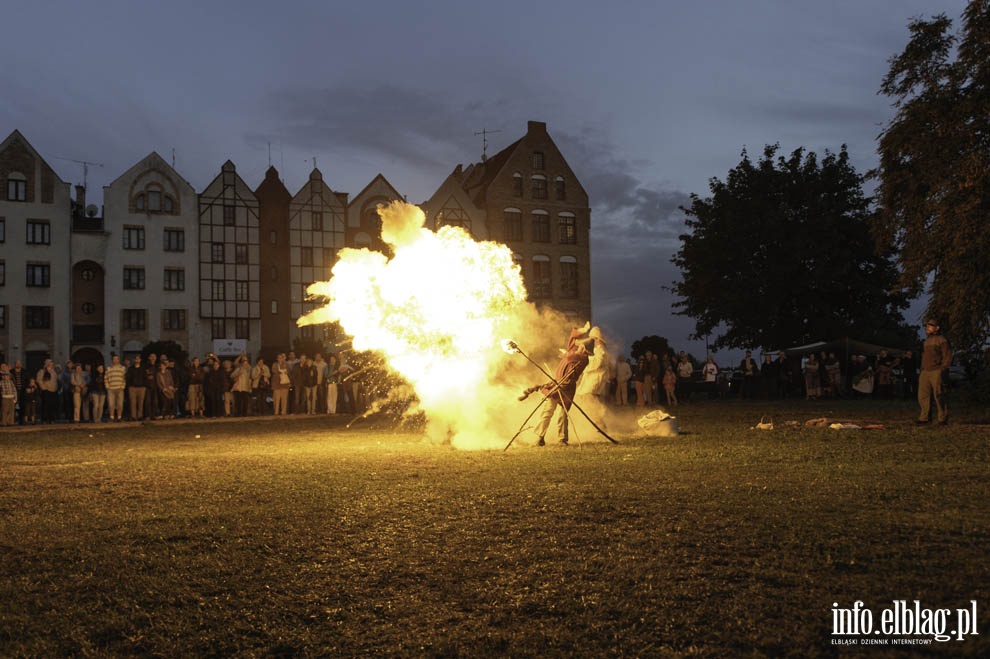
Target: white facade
point(151, 261)
point(35, 256)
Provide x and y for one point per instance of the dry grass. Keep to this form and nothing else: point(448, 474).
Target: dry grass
point(308, 539)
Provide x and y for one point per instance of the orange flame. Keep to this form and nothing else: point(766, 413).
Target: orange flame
point(438, 311)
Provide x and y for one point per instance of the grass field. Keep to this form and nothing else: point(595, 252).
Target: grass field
point(305, 538)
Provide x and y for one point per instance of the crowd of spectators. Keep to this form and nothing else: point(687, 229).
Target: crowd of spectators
point(154, 387)
point(650, 379)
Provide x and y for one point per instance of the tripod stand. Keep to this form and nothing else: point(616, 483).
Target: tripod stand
point(512, 346)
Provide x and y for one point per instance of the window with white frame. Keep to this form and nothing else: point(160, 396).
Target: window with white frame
point(16, 187)
point(175, 240)
point(540, 282)
point(175, 279)
point(134, 319)
point(39, 232)
point(39, 275)
point(133, 278)
point(133, 237)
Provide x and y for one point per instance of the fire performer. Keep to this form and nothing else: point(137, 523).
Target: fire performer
point(560, 392)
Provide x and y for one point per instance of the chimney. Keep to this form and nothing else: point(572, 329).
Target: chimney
point(537, 128)
point(81, 196)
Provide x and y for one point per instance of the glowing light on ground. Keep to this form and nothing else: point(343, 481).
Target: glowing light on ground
point(438, 311)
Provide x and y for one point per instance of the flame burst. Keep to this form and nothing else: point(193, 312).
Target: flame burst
point(437, 311)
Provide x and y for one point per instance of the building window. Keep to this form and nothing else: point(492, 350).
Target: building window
point(539, 187)
point(37, 317)
point(539, 285)
point(175, 279)
point(567, 229)
point(242, 328)
point(133, 319)
point(3, 273)
point(559, 187)
point(39, 232)
point(154, 201)
point(3, 230)
point(241, 291)
point(133, 237)
point(306, 256)
point(175, 240)
point(173, 319)
point(134, 278)
point(39, 274)
point(306, 333)
point(216, 252)
point(541, 226)
point(229, 216)
point(273, 237)
point(517, 184)
point(219, 290)
point(274, 273)
point(16, 188)
point(88, 308)
point(568, 277)
point(218, 328)
point(3, 316)
point(317, 221)
point(329, 258)
point(241, 254)
point(88, 273)
point(274, 307)
point(512, 219)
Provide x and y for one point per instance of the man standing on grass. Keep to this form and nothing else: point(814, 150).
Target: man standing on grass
point(561, 390)
point(935, 359)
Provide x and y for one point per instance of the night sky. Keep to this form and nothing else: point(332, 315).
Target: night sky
point(647, 100)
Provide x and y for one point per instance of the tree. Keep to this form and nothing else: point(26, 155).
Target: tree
point(934, 171)
point(658, 345)
point(781, 253)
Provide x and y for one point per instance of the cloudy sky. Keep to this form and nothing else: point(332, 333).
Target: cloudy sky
point(647, 99)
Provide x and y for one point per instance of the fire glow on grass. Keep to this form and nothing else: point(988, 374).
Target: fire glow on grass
point(437, 311)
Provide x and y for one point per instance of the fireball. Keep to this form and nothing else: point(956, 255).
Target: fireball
point(437, 311)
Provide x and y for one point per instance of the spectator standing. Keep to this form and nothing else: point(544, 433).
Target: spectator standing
point(623, 373)
point(261, 384)
point(115, 379)
point(749, 369)
point(136, 388)
point(333, 379)
point(195, 398)
point(709, 373)
point(8, 396)
point(685, 371)
point(281, 385)
point(20, 378)
point(670, 385)
point(936, 357)
point(98, 392)
point(812, 378)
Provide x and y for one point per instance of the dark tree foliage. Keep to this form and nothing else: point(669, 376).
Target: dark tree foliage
point(934, 171)
point(781, 254)
point(658, 345)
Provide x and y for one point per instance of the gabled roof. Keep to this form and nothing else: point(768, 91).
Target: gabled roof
point(159, 162)
point(16, 135)
point(478, 176)
point(368, 187)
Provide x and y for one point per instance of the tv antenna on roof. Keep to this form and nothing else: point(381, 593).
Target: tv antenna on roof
point(484, 141)
point(84, 163)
